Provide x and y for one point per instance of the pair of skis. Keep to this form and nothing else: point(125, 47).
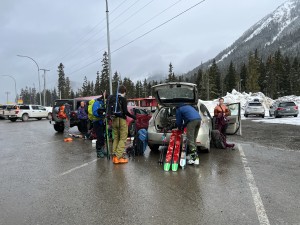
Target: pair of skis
point(172, 157)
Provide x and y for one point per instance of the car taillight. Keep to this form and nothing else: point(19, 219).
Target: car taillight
point(280, 108)
point(296, 107)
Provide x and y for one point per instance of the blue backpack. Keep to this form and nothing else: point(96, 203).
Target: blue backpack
point(141, 141)
point(98, 109)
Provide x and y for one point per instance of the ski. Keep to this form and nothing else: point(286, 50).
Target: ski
point(183, 151)
point(162, 151)
point(176, 151)
point(169, 156)
point(106, 131)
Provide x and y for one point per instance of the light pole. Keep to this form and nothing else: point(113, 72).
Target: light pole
point(7, 93)
point(44, 85)
point(15, 85)
point(38, 74)
point(108, 48)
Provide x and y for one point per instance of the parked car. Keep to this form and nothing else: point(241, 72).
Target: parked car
point(141, 122)
point(7, 110)
point(58, 123)
point(254, 108)
point(288, 108)
point(170, 95)
point(25, 112)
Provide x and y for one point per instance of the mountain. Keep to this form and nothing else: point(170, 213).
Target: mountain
point(278, 30)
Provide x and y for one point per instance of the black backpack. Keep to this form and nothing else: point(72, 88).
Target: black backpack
point(113, 106)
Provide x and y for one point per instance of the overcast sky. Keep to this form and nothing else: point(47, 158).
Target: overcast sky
point(74, 32)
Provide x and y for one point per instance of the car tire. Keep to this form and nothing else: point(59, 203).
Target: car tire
point(38, 118)
point(13, 120)
point(295, 115)
point(59, 127)
point(153, 147)
point(246, 115)
point(262, 116)
point(25, 117)
point(131, 130)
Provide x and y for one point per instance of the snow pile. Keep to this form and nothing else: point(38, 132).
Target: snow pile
point(243, 98)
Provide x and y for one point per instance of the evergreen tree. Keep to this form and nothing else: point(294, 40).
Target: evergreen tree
point(295, 77)
point(262, 80)
point(115, 80)
point(67, 91)
point(230, 79)
point(97, 89)
point(61, 81)
point(243, 77)
point(214, 82)
point(104, 78)
point(85, 87)
point(253, 73)
point(200, 84)
point(171, 75)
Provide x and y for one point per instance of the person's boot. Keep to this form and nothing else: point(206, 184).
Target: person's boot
point(115, 160)
point(123, 160)
point(68, 139)
point(193, 159)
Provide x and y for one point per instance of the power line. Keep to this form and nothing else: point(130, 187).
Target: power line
point(158, 26)
point(78, 44)
point(152, 18)
point(128, 43)
point(117, 17)
point(132, 15)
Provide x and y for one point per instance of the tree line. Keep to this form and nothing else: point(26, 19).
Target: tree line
point(276, 76)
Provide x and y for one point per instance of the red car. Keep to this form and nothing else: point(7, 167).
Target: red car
point(141, 122)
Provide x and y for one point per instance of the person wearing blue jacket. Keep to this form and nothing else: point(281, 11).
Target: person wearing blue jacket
point(187, 116)
point(99, 125)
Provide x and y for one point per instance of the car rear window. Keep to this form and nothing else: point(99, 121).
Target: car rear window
point(286, 104)
point(255, 104)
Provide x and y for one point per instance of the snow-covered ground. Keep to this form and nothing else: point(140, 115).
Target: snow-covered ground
point(243, 98)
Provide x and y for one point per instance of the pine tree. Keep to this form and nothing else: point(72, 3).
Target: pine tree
point(295, 77)
point(61, 80)
point(262, 80)
point(230, 79)
point(253, 73)
point(67, 91)
point(199, 83)
point(214, 81)
point(115, 80)
point(104, 78)
point(171, 75)
point(85, 87)
point(243, 77)
point(97, 89)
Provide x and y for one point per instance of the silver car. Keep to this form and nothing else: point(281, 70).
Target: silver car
point(163, 120)
point(254, 108)
point(279, 109)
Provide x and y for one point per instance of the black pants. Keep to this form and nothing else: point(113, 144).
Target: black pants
point(99, 129)
point(83, 126)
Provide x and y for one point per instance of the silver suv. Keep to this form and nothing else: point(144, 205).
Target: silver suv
point(279, 109)
point(254, 108)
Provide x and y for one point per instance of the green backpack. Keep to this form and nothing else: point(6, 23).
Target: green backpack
point(90, 111)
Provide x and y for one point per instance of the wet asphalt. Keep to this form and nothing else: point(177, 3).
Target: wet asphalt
point(44, 180)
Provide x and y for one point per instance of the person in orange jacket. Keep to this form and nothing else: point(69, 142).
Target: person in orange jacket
point(221, 112)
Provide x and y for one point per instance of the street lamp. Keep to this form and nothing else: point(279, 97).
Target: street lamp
point(108, 48)
point(15, 84)
point(38, 74)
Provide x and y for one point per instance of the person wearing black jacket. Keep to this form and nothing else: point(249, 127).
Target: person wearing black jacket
point(120, 128)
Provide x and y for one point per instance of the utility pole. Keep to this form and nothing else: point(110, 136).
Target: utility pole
point(108, 48)
point(7, 93)
point(44, 85)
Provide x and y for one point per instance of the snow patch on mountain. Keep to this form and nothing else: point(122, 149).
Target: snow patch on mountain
point(226, 55)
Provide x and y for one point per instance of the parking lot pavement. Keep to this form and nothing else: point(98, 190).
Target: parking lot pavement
point(46, 181)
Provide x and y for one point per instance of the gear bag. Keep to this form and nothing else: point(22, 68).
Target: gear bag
point(113, 106)
point(96, 109)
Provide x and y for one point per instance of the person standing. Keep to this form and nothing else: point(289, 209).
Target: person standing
point(187, 116)
point(98, 110)
point(65, 114)
point(120, 128)
point(82, 116)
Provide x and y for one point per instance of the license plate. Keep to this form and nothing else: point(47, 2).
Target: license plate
point(288, 109)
